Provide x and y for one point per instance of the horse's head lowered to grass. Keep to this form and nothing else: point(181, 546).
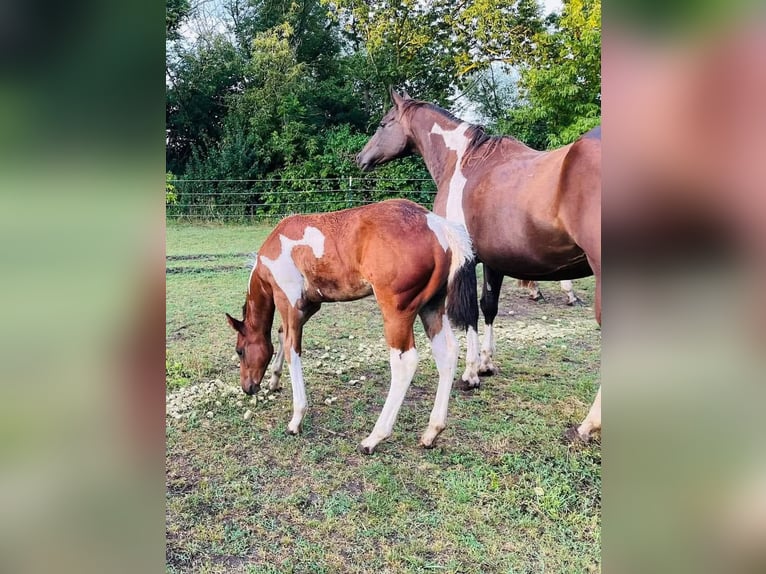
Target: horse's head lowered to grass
point(254, 346)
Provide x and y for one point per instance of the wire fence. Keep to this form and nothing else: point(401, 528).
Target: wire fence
point(253, 199)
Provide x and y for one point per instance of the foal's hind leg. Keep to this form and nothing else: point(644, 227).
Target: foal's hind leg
point(404, 360)
point(445, 350)
point(490, 295)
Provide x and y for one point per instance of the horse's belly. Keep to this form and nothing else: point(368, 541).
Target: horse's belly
point(553, 265)
point(336, 289)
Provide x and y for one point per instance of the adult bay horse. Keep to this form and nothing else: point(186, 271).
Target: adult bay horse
point(397, 250)
point(531, 215)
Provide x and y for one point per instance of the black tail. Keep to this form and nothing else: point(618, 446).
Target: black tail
point(462, 297)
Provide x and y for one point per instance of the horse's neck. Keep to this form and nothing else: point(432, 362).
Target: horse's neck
point(441, 142)
point(260, 306)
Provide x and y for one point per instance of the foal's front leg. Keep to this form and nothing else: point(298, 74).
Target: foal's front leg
point(300, 402)
point(279, 361)
point(293, 319)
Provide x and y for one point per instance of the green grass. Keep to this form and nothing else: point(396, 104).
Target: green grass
point(500, 493)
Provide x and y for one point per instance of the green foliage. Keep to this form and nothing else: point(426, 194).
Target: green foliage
point(560, 96)
point(201, 80)
point(281, 94)
point(171, 198)
point(176, 11)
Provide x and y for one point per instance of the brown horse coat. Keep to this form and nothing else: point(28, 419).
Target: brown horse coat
point(530, 214)
point(396, 249)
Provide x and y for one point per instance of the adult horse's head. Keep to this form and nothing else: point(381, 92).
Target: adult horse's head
point(254, 349)
point(391, 140)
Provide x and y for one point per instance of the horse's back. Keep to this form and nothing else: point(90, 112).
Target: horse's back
point(595, 134)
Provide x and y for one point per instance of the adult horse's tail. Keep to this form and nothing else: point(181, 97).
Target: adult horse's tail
point(462, 307)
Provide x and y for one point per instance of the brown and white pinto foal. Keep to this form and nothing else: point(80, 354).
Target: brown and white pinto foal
point(397, 250)
point(531, 215)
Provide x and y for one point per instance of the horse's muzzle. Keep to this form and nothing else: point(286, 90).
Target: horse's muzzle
point(363, 165)
point(251, 388)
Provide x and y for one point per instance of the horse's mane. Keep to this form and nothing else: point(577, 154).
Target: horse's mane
point(477, 135)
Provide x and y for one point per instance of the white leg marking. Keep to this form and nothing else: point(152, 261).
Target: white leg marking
point(287, 276)
point(403, 365)
point(471, 374)
point(279, 361)
point(568, 289)
point(458, 142)
point(487, 351)
point(444, 348)
point(592, 421)
point(300, 403)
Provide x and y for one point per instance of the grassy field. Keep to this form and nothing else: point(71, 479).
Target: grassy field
point(501, 492)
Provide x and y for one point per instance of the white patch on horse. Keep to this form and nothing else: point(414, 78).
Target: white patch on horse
point(300, 402)
point(453, 236)
point(487, 351)
point(445, 350)
point(403, 365)
point(287, 276)
point(250, 280)
point(458, 142)
point(435, 224)
point(471, 374)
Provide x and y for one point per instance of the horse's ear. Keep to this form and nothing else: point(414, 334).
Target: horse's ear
point(396, 98)
point(236, 324)
point(405, 95)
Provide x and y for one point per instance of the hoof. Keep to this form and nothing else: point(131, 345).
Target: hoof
point(488, 371)
point(575, 303)
point(366, 450)
point(538, 297)
point(293, 432)
point(464, 385)
point(428, 438)
point(571, 436)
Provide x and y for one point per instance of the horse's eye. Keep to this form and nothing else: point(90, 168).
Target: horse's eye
point(240, 352)
point(382, 125)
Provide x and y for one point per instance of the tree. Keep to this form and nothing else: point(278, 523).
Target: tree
point(200, 81)
point(176, 12)
point(560, 83)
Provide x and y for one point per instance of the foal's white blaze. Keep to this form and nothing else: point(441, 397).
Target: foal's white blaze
point(300, 403)
point(471, 374)
point(403, 365)
point(286, 274)
point(457, 142)
point(444, 349)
